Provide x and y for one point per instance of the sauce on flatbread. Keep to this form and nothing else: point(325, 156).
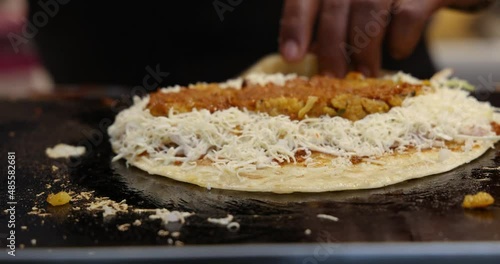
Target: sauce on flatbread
point(353, 97)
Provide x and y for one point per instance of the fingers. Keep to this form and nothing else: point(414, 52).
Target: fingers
point(332, 32)
point(296, 28)
point(407, 25)
point(351, 32)
point(368, 22)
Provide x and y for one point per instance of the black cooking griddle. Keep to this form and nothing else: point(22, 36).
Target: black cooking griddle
point(421, 210)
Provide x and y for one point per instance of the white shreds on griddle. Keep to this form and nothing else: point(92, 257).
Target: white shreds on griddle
point(167, 216)
point(64, 151)
point(328, 217)
point(233, 226)
point(123, 227)
point(221, 221)
point(225, 221)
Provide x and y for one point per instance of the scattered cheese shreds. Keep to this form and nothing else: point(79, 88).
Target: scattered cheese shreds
point(233, 226)
point(108, 211)
point(328, 217)
point(167, 216)
point(64, 151)
point(263, 79)
point(123, 227)
point(163, 233)
point(221, 221)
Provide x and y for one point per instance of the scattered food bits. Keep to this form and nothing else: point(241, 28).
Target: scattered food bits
point(483, 179)
point(84, 195)
point(108, 211)
point(307, 232)
point(109, 207)
point(64, 151)
point(123, 227)
point(226, 221)
point(54, 168)
point(24, 228)
point(33, 242)
point(38, 195)
point(61, 198)
point(490, 168)
point(478, 200)
point(163, 233)
point(233, 226)
point(166, 216)
point(48, 186)
point(221, 221)
point(38, 212)
point(328, 217)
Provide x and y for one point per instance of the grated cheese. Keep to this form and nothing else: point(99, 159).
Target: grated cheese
point(233, 226)
point(64, 151)
point(221, 221)
point(263, 79)
point(238, 141)
point(311, 100)
point(328, 217)
point(403, 77)
point(167, 216)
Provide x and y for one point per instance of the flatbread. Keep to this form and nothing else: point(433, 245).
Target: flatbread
point(298, 178)
point(434, 132)
point(274, 63)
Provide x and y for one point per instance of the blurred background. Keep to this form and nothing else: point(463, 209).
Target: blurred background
point(468, 43)
point(21, 73)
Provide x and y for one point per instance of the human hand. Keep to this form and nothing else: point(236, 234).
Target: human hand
point(350, 33)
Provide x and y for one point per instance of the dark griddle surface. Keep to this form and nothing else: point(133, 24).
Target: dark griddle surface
point(425, 209)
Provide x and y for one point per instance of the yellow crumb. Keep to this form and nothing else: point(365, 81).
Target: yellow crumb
point(478, 200)
point(60, 198)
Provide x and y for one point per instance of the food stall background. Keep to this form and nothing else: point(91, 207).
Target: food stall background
point(468, 43)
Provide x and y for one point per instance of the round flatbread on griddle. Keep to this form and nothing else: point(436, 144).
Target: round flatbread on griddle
point(284, 133)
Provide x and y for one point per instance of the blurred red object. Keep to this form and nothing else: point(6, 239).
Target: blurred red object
point(21, 73)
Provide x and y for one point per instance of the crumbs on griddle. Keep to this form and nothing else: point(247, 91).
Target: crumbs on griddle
point(89, 202)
